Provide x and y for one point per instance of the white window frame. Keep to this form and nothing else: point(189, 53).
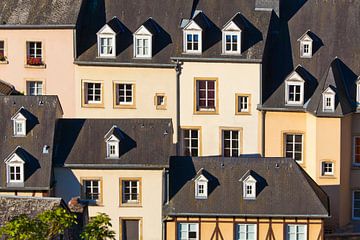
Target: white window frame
point(144, 39)
point(15, 165)
point(231, 139)
point(353, 205)
point(207, 98)
point(201, 182)
point(190, 139)
point(324, 168)
point(109, 145)
point(293, 152)
point(354, 151)
point(107, 46)
point(118, 88)
point(37, 86)
point(358, 93)
point(192, 32)
point(287, 92)
point(328, 94)
point(187, 225)
point(35, 47)
point(297, 226)
point(243, 107)
point(238, 42)
point(86, 93)
point(246, 225)
point(304, 43)
point(130, 201)
point(21, 122)
point(92, 188)
point(250, 183)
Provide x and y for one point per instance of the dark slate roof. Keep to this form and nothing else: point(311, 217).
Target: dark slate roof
point(115, 25)
point(283, 188)
point(13, 206)
point(168, 15)
point(333, 32)
point(6, 88)
point(28, 13)
point(40, 132)
point(145, 143)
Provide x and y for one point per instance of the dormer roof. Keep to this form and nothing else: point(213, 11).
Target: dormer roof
point(307, 36)
point(113, 132)
point(248, 176)
point(18, 155)
point(149, 27)
point(201, 175)
point(198, 22)
point(296, 75)
point(22, 113)
point(236, 23)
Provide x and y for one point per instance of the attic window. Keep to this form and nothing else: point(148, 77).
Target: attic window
point(106, 42)
point(231, 35)
point(201, 187)
point(329, 100)
point(249, 188)
point(143, 43)
point(19, 123)
point(112, 139)
point(306, 45)
point(358, 92)
point(192, 35)
point(14, 169)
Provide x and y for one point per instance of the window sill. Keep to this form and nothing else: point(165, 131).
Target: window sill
point(161, 108)
point(106, 57)
point(327, 177)
point(93, 105)
point(4, 62)
point(119, 106)
point(243, 113)
point(43, 66)
point(131, 205)
point(206, 113)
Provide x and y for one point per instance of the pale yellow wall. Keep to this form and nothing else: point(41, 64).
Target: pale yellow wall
point(24, 194)
point(267, 229)
point(152, 193)
point(58, 55)
point(148, 82)
point(232, 78)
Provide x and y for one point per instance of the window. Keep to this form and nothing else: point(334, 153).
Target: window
point(112, 148)
point(356, 205)
point(243, 103)
point(160, 101)
point(306, 49)
point(192, 42)
point(358, 92)
point(327, 168)
point(206, 96)
point(249, 190)
point(296, 232)
point(356, 150)
point(93, 92)
point(201, 187)
point(34, 88)
point(246, 232)
point(92, 189)
point(125, 95)
point(34, 53)
point(231, 42)
point(294, 146)
point(328, 100)
point(130, 189)
point(19, 127)
point(191, 142)
point(15, 173)
point(231, 143)
point(107, 46)
point(131, 229)
point(2, 51)
point(142, 47)
point(142, 43)
point(294, 93)
point(188, 231)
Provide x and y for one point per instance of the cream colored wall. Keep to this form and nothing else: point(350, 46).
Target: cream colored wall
point(267, 229)
point(232, 78)
point(148, 82)
point(152, 193)
point(24, 194)
point(58, 55)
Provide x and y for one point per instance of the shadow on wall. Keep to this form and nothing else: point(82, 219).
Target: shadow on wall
point(67, 185)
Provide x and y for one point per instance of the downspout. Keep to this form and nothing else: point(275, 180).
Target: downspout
point(178, 69)
point(263, 135)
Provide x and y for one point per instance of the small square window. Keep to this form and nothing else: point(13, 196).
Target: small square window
point(112, 149)
point(160, 101)
point(243, 103)
point(327, 168)
point(19, 127)
point(34, 88)
point(34, 53)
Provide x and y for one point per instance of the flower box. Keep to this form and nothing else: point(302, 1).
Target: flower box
point(34, 61)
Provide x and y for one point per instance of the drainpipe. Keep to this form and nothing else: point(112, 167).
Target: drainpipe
point(178, 69)
point(263, 135)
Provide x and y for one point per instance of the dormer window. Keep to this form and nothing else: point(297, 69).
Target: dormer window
point(328, 100)
point(294, 89)
point(19, 123)
point(249, 185)
point(106, 39)
point(15, 168)
point(231, 35)
point(112, 140)
point(142, 43)
point(306, 45)
point(192, 35)
point(201, 187)
point(358, 92)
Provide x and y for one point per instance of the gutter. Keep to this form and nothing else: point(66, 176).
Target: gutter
point(248, 215)
point(25, 188)
point(178, 69)
point(45, 26)
point(122, 64)
point(115, 166)
point(225, 60)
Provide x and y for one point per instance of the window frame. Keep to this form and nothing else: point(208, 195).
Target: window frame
point(325, 95)
point(121, 221)
point(222, 140)
point(197, 109)
point(178, 231)
point(353, 205)
point(358, 93)
point(249, 182)
point(232, 33)
point(191, 128)
point(287, 92)
point(15, 164)
point(323, 167)
point(185, 41)
point(109, 144)
point(246, 224)
point(201, 181)
point(36, 82)
point(23, 123)
point(116, 96)
point(238, 104)
point(302, 162)
point(142, 37)
point(303, 43)
point(85, 101)
point(354, 163)
point(107, 36)
point(83, 190)
point(4, 59)
point(28, 53)
point(156, 103)
point(296, 225)
point(137, 203)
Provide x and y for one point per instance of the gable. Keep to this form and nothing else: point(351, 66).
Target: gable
point(201, 178)
point(142, 30)
point(112, 138)
point(106, 29)
point(14, 158)
point(294, 76)
point(18, 115)
point(305, 37)
point(231, 26)
point(192, 25)
point(329, 90)
point(249, 179)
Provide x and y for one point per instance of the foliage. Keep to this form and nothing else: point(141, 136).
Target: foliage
point(44, 226)
point(98, 228)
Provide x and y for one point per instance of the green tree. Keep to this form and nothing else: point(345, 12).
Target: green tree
point(98, 228)
point(44, 226)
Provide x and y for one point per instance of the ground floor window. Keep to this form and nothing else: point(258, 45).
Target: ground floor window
point(246, 232)
point(296, 232)
point(130, 229)
point(188, 231)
